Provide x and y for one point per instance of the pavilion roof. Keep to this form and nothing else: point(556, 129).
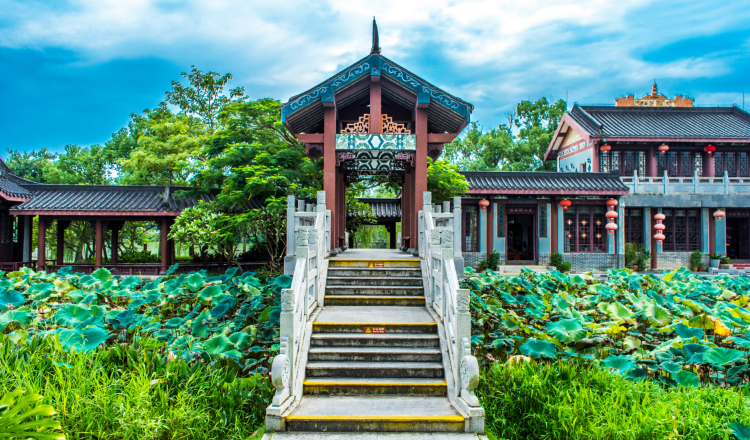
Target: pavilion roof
point(383, 208)
point(304, 111)
point(544, 183)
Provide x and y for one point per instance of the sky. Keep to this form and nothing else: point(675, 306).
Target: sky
point(72, 72)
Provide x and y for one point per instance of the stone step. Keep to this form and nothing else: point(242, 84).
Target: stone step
point(374, 354)
point(380, 272)
point(374, 319)
point(375, 414)
point(375, 369)
point(371, 300)
point(375, 290)
point(414, 340)
point(373, 281)
point(374, 263)
point(348, 386)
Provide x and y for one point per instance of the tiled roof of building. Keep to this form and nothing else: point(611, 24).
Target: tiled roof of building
point(663, 122)
point(383, 208)
point(541, 183)
point(12, 189)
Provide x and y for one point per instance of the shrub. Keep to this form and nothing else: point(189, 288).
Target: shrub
point(566, 400)
point(556, 260)
point(491, 262)
point(725, 260)
point(696, 259)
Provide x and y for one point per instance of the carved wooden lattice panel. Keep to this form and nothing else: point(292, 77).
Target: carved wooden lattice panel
point(390, 127)
point(361, 126)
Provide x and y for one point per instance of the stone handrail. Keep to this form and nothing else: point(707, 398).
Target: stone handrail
point(443, 295)
point(309, 237)
point(694, 184)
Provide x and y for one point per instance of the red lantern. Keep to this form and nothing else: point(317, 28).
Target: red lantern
point(565, 203)
point(611, 227)
point(719, 214)
point(659, 237)
point(570, 235)
point(709, 149)
point(612, 203)
point(605, 147)
point(612, 215)
point(484, 204)
point(663, 148)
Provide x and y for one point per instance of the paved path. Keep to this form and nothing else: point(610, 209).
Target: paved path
point(374, 254)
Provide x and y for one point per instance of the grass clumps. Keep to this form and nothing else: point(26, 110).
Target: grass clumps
point(569, 401)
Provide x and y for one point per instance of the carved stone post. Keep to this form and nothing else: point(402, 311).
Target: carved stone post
point(291, 245)
point(303, 253)
point(446, 206)
point(458, 259)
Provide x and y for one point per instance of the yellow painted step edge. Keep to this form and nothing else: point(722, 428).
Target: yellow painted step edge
point(374, 323)
point(383, 418)
point(416, 260)
point(382, 384)
point(372, 296)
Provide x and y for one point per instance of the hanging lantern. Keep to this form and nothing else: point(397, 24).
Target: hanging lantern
point(570, 235)
point(659, 237)
point(611, 227)
point(484, 204)
point(719, 214)
point(605, 147)
point(565, 203)
point(663, 148)
point(611, 215)
point(709, 149)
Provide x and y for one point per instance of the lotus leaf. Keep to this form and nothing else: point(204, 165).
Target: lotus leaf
point(10, 299)
point(737, 369)
point(694, 353)
point(701, 321)
point(566, 330)
point(223, 307)
point(283, 281)
point(671, 367)
point(171, 269)
point(740, 342)
point(217, 346)
point(209, 292)
point(41, 291)
point(686, 332)
point(102, 274)
point(242, 340)
point(619, 311)
point(621, 364)
point(538, 349)
point(84, 339)
point(21, 317)
point(200, 325)
point(741, 431)
point(720, 356)
point(659, 316)
point(686, 378)
point(71, 315)
point(195, 281)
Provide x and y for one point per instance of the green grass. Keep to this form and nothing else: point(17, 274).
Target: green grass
point(131, 393)
point(568, 402)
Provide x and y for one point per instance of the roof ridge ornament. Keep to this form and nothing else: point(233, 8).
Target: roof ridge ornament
point(375, 38)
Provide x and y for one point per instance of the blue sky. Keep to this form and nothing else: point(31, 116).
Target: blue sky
point(71, 72)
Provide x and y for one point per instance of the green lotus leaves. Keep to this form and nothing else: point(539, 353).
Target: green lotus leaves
point(242, 340)
point(70, 315)
point(720, 356)
point(688, 333)
point(686, 379)
point(195, 281)
point(659, 316)
point(41, 291)
point(217, 346)
point(671, 367)
point(283, 281)
point(84, 339)
point(619, 311)
point(18, 318)
point(619, 364)
point(741, 431)
point(102, 274)
point(566, 330)
point(209, 292)
point(694, 353)
point(10, 299)
point(701, 321)
point(200, 325)
point(536, 349)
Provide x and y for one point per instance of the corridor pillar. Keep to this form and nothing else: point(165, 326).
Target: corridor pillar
point(41, 238)
point(99, 245)
point(163, 248)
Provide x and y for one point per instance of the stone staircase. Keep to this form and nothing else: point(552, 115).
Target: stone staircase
point(375, 362)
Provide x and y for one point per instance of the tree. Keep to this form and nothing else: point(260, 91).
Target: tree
point(444, 181)
point(500, 149)
point(78, 166)
point(30, 164)
point(204, 96)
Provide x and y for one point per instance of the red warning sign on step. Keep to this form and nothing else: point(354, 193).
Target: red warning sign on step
point(374, 264)
point(374, 329)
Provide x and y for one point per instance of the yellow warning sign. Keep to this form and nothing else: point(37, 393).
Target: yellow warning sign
point(374, 329)
point(374, 264)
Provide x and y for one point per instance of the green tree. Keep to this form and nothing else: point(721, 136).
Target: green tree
point(204, 96)
point(78, 166)
point(30, 164)
point(444, 181)
point(537, 123)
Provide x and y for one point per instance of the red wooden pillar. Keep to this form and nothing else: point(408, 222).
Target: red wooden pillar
point(708, 165)
point(651, 158)
point(329, 168)
point(115, 228)
point(406, 201)
point(99, 245)
point(490, 229)
point(376, 119)
point(61, 226)
point(711, 233)
point(41, 239)
point(163, 249)
point(420, 168)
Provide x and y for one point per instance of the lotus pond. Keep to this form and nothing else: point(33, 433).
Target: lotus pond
point(679, 330)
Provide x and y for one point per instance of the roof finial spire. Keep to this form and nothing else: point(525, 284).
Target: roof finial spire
point(653, 89)
point(375, 39)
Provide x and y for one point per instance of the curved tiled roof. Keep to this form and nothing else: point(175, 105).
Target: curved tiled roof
point(541, 183)
point(383, 208)
point(13, 189)
point(664, 122)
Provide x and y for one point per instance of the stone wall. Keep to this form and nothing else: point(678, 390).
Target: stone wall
point(472, 259)
point(592, 262)
point(543, 259)
point(676, 260)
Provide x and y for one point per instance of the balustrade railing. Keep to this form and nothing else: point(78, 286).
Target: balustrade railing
point(308, 245)
point(694, 184)
point(443, 294)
